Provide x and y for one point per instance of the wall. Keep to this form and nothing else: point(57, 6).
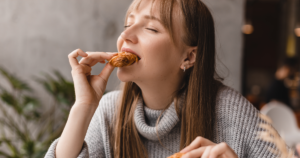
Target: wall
point(228, 16)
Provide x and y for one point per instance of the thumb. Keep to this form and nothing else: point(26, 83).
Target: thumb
point(103, 76)
point(106, 72)
point(100, 81)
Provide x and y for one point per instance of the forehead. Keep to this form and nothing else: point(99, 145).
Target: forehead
point(167, 12)
point(146, 7)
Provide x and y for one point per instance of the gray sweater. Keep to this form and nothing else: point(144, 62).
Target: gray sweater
point(237, 122)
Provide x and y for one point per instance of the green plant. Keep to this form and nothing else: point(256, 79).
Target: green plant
point(32, 128)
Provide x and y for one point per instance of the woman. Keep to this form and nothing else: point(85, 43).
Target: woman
point(170, 100)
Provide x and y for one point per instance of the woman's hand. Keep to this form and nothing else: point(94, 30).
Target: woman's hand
point(89, 88)
point(204, 148)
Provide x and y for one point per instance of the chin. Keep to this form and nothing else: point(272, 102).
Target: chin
point(124, 75)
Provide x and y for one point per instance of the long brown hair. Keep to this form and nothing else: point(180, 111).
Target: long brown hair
point(197, 114)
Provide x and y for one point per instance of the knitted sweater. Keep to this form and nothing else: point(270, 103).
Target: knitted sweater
point(236, 124)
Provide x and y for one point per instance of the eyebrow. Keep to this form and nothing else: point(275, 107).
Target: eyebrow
point(150, 17)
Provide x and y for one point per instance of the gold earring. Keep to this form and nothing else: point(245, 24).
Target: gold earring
point(184, 69)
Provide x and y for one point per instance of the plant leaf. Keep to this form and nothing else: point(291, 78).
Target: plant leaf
point(60, 77)
point(29, 147)
point(2, 153)
point(61, 89)
point(14, 81)
point(9, 99)
point(13, 148)
point(29, 105)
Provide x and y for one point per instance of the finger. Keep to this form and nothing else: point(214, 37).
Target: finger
point(222, 149)
point(73, 57)
point(100, 81)
point(206, 153)
point(105, 73)
point(95, 57)
point(195, 153)
point(88, 60)
point(198, 142)
point(79, 75)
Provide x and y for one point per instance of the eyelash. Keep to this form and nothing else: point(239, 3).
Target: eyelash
point(125, 27)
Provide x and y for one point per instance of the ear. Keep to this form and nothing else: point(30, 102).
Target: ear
point(189, 58)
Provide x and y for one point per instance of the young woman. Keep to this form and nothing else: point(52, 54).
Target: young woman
point(171, 99)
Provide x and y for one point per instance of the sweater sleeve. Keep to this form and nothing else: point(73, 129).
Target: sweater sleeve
point(93, 144)
point(239, 125)
point(256, 147)
point(84, 153)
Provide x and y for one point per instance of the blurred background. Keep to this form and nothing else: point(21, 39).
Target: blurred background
point(257, 53)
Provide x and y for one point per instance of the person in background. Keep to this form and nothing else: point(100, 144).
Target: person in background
point(278, 90)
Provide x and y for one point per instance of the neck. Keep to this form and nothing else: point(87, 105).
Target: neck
point(158, 96)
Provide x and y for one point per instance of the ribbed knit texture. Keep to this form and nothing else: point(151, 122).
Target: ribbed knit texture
point(236, 124)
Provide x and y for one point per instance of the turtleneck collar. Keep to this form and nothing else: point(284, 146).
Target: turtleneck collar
point(145, 120)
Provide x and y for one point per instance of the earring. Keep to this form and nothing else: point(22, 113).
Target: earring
point(184, 69)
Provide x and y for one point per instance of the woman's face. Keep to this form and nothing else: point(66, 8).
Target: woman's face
point(160, 58)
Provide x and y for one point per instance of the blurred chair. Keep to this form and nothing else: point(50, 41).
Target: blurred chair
point(284, 121)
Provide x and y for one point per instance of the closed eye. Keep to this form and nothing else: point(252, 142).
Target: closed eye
point(152, 30)
point(125, 27)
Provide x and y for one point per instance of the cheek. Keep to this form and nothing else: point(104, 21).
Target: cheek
point(162, 59)
point(156, 48)
point(161, 52)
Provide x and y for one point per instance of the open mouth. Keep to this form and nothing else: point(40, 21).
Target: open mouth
point(134, 54)
point(138, 58)
point(136, 61)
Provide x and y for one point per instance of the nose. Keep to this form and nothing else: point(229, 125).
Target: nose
point(130, 35)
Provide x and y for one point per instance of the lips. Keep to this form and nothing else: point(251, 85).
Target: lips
point(130, 51)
